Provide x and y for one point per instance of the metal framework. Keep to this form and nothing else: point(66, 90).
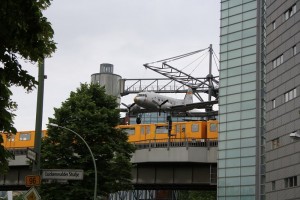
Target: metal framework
point(177, 81)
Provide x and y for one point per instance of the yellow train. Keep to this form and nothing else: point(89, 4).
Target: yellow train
point(136, 133)
point(179, 130)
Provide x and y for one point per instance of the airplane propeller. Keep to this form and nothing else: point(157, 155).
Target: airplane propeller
point(128, 106)
point(160, 105)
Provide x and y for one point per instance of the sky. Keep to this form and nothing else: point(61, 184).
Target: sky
point(125, 33)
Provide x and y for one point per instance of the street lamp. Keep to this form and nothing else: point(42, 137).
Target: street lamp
point(94, 162)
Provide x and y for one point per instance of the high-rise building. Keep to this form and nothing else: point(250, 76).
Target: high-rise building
point(258, 103)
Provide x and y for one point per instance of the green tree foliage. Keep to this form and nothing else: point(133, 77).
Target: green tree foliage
point(92, 114)
point(25, 35)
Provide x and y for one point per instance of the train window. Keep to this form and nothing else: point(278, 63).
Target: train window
point(213, 127)
point(147, 129)
point(177, 128)
point(24, 136)
point(161, 129)
point(10, 137)
point(143, 130)
point(195, 127)
point(129, 131)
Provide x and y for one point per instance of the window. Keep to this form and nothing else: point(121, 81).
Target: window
point(129, 131)
point(273, 185)
point(290, 95)
point(294, 50)
point(24, 136)
point(274, 25)
point(213, 127)
point(275, 143)
point(10, 137)
point(277, 61)
point(195, 127)
point(290, 182)
point(273, 103)
point(290, 12)
point(161, 129)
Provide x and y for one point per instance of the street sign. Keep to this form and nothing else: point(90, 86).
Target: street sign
point(32, 180)
point(63, 174)
point(32, 194)
point(31, 154)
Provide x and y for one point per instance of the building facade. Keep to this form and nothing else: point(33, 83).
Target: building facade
point(282, 100)
point(259, 70)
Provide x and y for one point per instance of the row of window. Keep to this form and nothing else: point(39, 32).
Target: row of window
point(287, 97)
point(288, 14)
point(22, 137)
point(279, 60)
point(288, 182)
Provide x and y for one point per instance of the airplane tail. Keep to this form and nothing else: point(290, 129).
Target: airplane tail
point(188, 98)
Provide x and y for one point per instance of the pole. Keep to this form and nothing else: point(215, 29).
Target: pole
point(210, 72)
point(39, 117)
point(94, 162)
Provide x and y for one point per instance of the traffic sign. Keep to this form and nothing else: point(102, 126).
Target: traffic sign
point(32, 180)
point(32, 194)
point(31, 154)
point(63, 174)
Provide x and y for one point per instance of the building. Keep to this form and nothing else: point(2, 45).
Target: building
point(258, 102)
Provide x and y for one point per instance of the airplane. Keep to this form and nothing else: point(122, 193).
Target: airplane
point(145, 102)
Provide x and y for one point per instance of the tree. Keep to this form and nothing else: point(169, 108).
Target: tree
point(25, 35)
point(92, 114)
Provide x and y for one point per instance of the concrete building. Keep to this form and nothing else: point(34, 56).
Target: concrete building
point(258, 105)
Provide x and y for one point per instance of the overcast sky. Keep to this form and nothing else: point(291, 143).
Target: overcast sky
point(126, 33)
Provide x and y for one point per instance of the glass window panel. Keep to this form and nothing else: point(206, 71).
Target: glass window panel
point(234, 62)
point(235, 10)
point(224, 30)
point(222, 117)
point(24, 136)
point(224, 39)
point(224, 14)
point(249, 6)
point(232, 181)
point(233, 134)
point(235, 19)
point(248, 190)
point(221, 163)
point(223, 47)
point(248, 161)
point(222, 127)
point(221, 191)
point(222, 109)
point(235, 27)
point(233, 162)
point(224, 5)
point(233, 171)
point(246, 171)
point(234, 191)
point(235, 36)
point(249, 14)
point(249, 68)
point(233, 98)
point(248, 86)
point(223, 74)
point(221, 182)
point(234, 54)
point(233, 107)
point(248, 59)
point(248, 114)
point(221, 155)
point(249, 77)
point(249, 123)
point(233, 89)
point(249, 41)
point(233, 153)
point(222, 91)
point(234, 80)
point(249, 32)
point(233, 144)
point(234, 45)
point(249, 50)
point(224, 64)
point(248, 95)
point(222, 100)
point(195, 127)
point(234, 71)
point(250, 151)
point(248, 105)
point(248, 142)
point(248, 180)
point(250, 23)
point(251, 132)
point(221, 173)
point(233, 125)
point(223, 56)
point(234, 3)
point(233, 116)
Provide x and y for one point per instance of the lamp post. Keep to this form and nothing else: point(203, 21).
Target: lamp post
point(94, 162)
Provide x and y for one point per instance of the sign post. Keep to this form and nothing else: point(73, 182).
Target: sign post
point(32, 194)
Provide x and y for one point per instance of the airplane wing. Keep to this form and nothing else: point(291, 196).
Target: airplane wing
point(191, 106)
